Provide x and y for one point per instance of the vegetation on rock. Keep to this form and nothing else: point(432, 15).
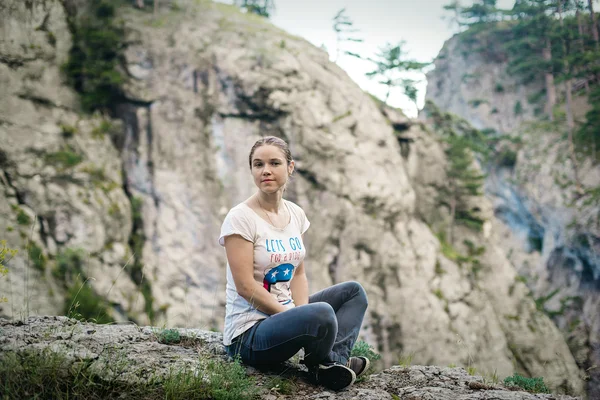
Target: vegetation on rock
point(6, 254)
point(533, 385)
point(93, 65)
point(551, 42)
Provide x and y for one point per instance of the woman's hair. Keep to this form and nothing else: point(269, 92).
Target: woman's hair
point(273, 141)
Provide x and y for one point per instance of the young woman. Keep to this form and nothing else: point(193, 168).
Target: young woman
point(269, 314)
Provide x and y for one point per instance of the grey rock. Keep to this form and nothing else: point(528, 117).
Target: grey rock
point(128, 353)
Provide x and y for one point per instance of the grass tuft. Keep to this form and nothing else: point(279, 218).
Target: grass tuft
point(169, 336)
point(50, 375)
point(533, 385)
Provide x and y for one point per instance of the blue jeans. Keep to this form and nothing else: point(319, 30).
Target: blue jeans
point(326, 328)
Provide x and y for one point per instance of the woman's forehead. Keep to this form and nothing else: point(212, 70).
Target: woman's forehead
point(267, 152)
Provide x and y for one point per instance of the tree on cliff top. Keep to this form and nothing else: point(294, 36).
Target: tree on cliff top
point(391, 67)
point(343, 27)
point(264, 8)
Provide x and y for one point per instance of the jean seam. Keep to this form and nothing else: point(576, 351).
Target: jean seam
point(282, 343)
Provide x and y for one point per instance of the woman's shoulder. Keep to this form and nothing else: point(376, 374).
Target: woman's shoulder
point(240, 210)
point(295, 208)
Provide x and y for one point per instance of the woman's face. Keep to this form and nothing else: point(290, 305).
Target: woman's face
point(270, 169)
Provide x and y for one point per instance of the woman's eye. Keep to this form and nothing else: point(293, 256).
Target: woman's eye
point(258, 165)
point(276, 163)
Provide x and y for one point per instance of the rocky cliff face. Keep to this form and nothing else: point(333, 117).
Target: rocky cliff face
point(550, 234)
point(149, 189)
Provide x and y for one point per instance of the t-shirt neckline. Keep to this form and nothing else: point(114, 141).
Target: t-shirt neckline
point(267, 222)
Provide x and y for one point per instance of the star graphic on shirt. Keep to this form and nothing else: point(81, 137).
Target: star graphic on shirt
point(287, 271)
point(274, 274)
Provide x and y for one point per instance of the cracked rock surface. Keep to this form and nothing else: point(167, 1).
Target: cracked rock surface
point(139, 355)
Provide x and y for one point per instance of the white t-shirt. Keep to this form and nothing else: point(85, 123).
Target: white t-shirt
point(277, 254)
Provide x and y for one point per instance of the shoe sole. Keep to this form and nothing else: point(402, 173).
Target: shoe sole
point(335, 377)
point(367, 363)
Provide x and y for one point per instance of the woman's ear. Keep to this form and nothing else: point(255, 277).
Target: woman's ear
point(291, 167)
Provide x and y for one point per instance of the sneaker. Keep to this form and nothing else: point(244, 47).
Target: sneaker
point(358, 364)
point(334, 376)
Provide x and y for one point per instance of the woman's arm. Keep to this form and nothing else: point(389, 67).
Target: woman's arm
point(299, 286)
point(241, 261)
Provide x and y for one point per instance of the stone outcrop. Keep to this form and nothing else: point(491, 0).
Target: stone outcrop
point(128, 354)
point(549, 232)
point(206, 81)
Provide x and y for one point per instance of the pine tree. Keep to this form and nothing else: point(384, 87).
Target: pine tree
point(531, 47)
point(391, 64)
point(343, 27)
point(264, 8)
point(463, 181)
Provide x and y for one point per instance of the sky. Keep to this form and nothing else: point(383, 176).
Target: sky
point(418, 22)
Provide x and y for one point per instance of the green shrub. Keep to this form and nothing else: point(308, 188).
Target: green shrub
point(93, 65)
point(68, 131)
point(104, 128)
point(22, 217)
point(499, 88)
point(65, 158)
point(507, 158)
point(363, 349)
point(476, 102)
point(533, 385)
point(518, 108)
point(69, 263)
point(169, 336)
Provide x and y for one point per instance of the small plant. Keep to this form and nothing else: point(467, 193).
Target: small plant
point(439, 271)
point(363, 349)
point(6, 254)
point(507, 158)
point(102, 129)
point(228, 381)
point(22, 217)
point(491, 378)
point(518, 108)
point(476, 102)
point(471, 370)
point(169, 336)
point(65, 158)
point(68, 131)
point(69, 263)
point(114, 210)
point(405, 360)
point(281, 385)
point(532, 385)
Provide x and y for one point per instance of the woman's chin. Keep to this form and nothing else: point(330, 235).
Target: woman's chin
point(270, 189)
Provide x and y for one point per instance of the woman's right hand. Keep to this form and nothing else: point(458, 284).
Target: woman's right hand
point(240, 255)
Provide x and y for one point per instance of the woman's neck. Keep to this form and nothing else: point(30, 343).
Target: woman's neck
point(270, 202)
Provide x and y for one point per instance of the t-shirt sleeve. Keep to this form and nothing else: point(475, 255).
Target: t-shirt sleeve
point(305, 223)
point(237, 223)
